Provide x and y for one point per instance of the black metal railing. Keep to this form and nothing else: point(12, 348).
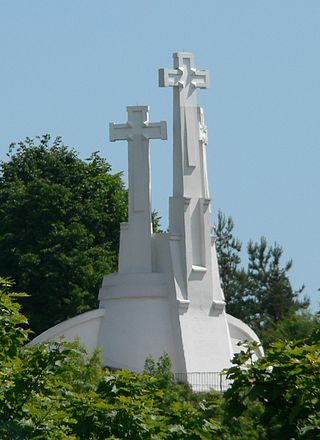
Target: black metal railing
point(204, 381)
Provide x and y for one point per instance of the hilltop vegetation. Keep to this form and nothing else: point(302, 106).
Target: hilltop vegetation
point(59, 227)
point(57, 391)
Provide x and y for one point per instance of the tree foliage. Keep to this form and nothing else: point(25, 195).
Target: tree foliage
point(232, 276)
point(285, 384)
point(292, 327)
point(260, 294)
point(59, 227)
point(269, 285)
point(57, 391)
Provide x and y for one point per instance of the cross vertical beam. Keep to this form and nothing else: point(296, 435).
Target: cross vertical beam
point(189, 213)
point(137, 131)
point(185, 78)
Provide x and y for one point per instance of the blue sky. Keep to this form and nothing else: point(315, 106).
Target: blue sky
point(70, 67)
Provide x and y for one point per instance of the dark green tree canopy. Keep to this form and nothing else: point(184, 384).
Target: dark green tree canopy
point(59, 227)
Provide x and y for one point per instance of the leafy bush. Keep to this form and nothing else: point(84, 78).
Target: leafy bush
point(285, 385)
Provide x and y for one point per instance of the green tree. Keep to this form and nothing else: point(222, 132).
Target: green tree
point(292, 327)
point(38, 383)
point(260, 294)
point(285, 384)
point(232, 276)
point(59, 227)
point(268, 288)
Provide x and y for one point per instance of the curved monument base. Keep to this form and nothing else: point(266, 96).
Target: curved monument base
point(127, 340)
point(85, 327)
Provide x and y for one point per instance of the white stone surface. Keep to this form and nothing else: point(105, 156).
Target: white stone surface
point(166, 296)
point(136, 319)
point(85, 327)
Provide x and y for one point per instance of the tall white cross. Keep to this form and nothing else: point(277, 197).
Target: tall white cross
point(184, 79)
point(137, 131)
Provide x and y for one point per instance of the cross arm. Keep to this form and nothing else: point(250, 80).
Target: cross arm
point(119, 132)
point(200, 79)
point(155, 130)
point(138, 126)
point(167, 77)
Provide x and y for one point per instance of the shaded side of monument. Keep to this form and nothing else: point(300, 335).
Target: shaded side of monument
point(166, 296)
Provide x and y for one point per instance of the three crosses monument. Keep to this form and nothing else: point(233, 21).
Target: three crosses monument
point(166, 295)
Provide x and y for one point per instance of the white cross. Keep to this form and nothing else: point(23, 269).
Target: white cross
point(185, 79)
point(184, 74)
point(137, 131)
point(138, 125)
